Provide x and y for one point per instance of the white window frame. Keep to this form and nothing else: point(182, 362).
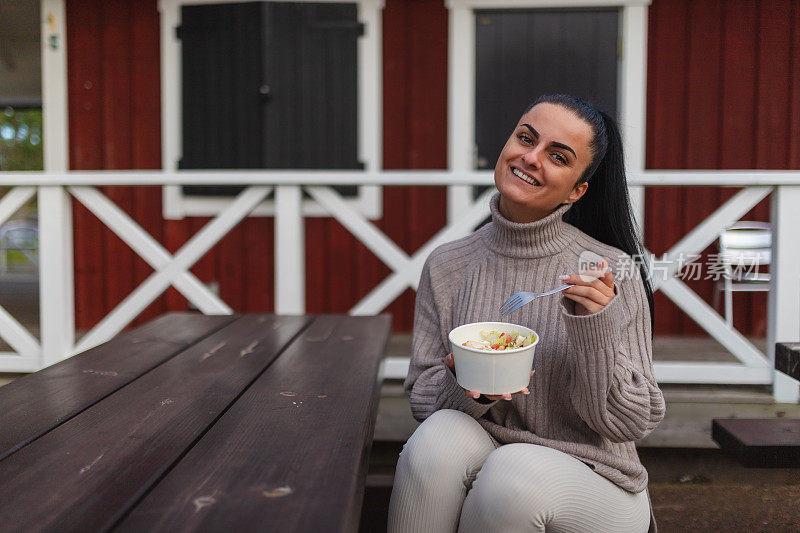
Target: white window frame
point(631, 86)
point(368, 201)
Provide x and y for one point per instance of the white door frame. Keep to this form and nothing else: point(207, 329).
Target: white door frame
point(631, 86)
point(368, 200)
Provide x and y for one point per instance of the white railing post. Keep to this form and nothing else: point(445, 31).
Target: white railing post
point(289, 251)
point(632, 104)
point(171, 108)
point(56, 286)
point(783, 314)
point(460, 97)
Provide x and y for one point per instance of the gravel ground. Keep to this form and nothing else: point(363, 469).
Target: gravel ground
point(705, 490)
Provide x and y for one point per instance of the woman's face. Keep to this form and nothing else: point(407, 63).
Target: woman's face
point(541, 162)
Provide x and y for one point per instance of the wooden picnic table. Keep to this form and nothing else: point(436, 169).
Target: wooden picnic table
point(787, 358)
point(219, 423)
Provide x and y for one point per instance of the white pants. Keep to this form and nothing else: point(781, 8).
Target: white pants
point(451, 477)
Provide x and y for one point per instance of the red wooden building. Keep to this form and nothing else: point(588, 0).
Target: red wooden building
point(722, 92)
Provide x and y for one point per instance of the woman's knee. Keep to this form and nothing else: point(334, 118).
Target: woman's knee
point(524, 486)
point(516, 469)
point(448, 440)
point(538, 463)
point(500, 478)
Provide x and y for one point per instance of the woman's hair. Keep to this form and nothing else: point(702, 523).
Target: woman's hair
point(604, 211)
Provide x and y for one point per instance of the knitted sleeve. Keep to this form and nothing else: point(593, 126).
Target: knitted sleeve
point(430, 384)
point(613, 387)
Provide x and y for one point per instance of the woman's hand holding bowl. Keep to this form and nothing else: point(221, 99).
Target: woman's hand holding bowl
point(592, 290)
point(448, 360)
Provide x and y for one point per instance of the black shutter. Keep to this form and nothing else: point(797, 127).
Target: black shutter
point(282, 80)
point(524, 54)
point(310, 67)
point(221, 80)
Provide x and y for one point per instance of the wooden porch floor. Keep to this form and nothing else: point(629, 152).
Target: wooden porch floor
point(690, 408)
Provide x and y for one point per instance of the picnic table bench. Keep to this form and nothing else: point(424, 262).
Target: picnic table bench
point(234, 423)
point(764, 441)
point(787, 358)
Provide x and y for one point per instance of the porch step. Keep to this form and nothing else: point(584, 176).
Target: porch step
point(697, 349)
point(690, 411)
point(760, 442)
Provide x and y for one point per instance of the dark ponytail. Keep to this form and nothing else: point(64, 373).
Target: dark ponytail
point(604, 211)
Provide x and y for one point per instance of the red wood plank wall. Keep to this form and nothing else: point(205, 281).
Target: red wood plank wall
point(723, 92)
point(114, 123)
point(113, 84)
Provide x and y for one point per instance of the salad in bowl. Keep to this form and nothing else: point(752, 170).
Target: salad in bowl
point(493, 357)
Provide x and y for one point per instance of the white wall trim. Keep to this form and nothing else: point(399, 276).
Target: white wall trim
point(54, 86)
point(631, 85)
point(632, 96)
point(460, 104)
point(171, 115)
point(367, 201)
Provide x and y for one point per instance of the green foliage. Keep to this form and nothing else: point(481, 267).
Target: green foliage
point(21, 149)
point(21, 139)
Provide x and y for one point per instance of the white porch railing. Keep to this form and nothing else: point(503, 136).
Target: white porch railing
point(57, 287)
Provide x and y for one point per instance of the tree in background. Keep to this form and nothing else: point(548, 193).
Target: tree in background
point(20, 149)
point(21, 139)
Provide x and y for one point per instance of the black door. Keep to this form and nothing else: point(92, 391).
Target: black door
point(269, 85)
point(522, 54)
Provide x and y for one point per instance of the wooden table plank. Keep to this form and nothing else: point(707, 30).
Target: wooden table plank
point(34, 404)
point(291, 454)
point(87, 472)
point(787, 358)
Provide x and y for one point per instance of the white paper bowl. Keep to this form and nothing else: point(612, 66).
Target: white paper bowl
point(492, 372)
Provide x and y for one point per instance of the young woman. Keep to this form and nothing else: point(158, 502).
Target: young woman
point(559, 455)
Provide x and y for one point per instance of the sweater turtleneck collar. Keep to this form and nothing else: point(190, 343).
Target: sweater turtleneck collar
point(546, 236)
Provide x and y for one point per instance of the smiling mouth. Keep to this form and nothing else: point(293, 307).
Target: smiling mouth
point(524, 177)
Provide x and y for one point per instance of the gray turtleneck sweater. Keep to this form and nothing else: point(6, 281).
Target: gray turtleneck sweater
point(593, 393)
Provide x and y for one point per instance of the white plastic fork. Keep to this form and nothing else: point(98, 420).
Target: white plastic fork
point(519, 299)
